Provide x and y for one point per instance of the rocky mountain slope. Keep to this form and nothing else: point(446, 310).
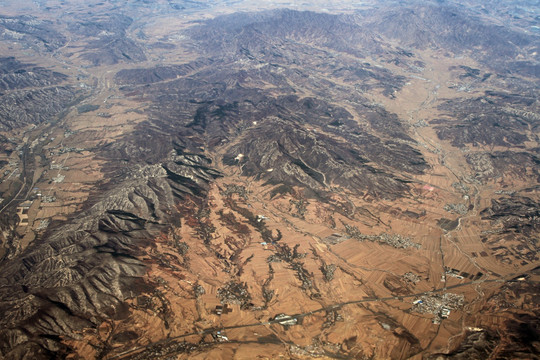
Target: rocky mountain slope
point(184, 180)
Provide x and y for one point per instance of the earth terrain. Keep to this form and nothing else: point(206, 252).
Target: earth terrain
point(269, 180)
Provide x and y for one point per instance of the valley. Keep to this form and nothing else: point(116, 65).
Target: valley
point(250, 180)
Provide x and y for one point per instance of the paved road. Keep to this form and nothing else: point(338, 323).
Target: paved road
point(23, 185)
point(309, 313)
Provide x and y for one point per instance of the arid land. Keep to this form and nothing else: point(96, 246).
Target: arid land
point(261, 180)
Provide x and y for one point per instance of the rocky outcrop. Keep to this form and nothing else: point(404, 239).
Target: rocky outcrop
point(20, 108)
point(35, 33)
point(30, 94)
point(488, 120)
point(106, 39)
point(287, 97)
point(16, 75)
point(83, 271)
point(451, 28)
point(519, 214)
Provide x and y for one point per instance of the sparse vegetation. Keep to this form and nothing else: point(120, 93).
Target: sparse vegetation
point(87, 108)
point(281, 190)
point(235, 293)
point(239, 190)
point(180, 156)
point(396, 240)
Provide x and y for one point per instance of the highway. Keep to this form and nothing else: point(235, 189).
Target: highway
point(309, 313)
point(24, 179)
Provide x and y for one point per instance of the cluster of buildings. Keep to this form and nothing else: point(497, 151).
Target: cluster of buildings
point(440, 305)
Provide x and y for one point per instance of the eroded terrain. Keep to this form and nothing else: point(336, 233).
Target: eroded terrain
point(184, 180)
